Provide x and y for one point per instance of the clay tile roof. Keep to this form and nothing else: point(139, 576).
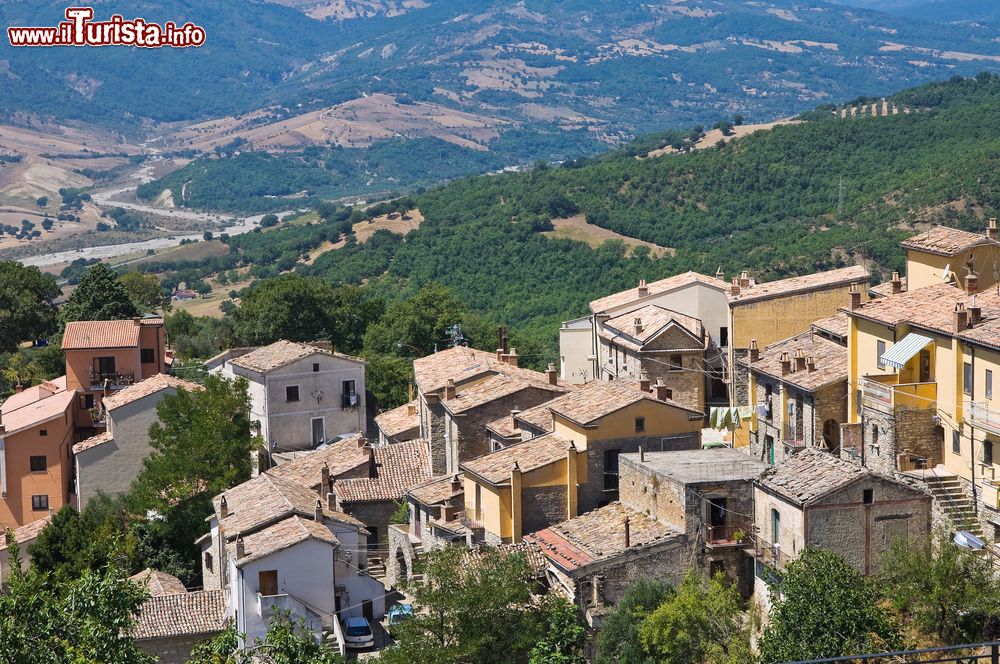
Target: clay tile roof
point(160, 583)
point(539, 417)
point(884, 288)
point(190, 614)
point(101, 334)
point(589, 403)
point(492, 389)
point(835, 325)
point(280, 536)
point(945, 241)
point(340, 457)
point(655, 288)
point(32, 394)
point(529, 455)
point(92, 442)
point(599, 535)
point(854, 274)
point(437, 490)
point(654, 320)
point(280, 353)
point(504, 427)
point(397, 467)
point(399, 420)
point(265, 499)
point(830, 361)
point(26, 533)
point(144, 388)
point(536, 560)
point(931, 307)
point(22, 414)
point(810, 474)
point(462, 364)
point(151, 320)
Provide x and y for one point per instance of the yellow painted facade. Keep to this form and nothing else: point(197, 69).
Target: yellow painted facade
point(927, 269)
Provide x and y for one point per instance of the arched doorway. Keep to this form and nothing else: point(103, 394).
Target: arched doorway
point(831, 436)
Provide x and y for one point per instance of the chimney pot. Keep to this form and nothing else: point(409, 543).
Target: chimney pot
point(223, 506)
point(786, 363)
point(137, 320)
point(512, 357)
point(456, 482)
point(975, 313)
point(662, 393)
point(811, 363)
point(318, 515)
point(734, 287)
point(991, 229)
point(642, 455)
point(744, 279)
point(754, 351)
point(800, 359)
point(449, 389)
point(637, 324)
point(241, 550)
point(513, 416)
point(411, 409)
point(720, 275)
point(644, 383)
point(960, 318)
point(855, 297)
point(643, 288)
point(971, 284)
point(324, 482)
point(551, 374)
point(897, 283)
point(331, 500)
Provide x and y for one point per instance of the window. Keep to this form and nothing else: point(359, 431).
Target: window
point(39, 464)
point(723, 337)
point(988, 452)
point(868, 496)
point(775, 526)
point(879, 352)
point(291, 393)
point(640, 424)
point(611, 470)
point(39, 503)
point(267, 582)
point(147, 356)
point(989, 384)
point(87, 401)
point(208, 560)
point(956, 443)
point(315, 367)
point(43, 432)
point(768, 393)
point(716, 567)
point(676, 364)
point(967, 378)
point(348, 394)
point(105, 366)
point(874, 435)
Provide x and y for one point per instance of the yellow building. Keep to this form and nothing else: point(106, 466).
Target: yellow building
point(945, 254)
point(574, 468)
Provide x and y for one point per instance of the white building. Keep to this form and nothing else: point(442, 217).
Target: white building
point(110, 461)
point(301, 395)
point(275, 545)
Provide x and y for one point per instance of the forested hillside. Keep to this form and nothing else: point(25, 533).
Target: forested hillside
point(768, 202)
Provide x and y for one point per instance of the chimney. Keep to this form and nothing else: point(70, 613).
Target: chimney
point(331, 500)
point(500, 355)
point(551, 374)
point(643, 288)
point(241, 549)
point(644, 383)
point(855, 297)
point(411, 409)
point(897, 283)
point(800, 359)
point(372, 469)
point(318, 515)
point(512, 357)
point(720, 275)
point(811, 364)
point(628, 535)
point(19, 388)
point(637, 325)
point(456, 482)
point(961, 318)
point(362, 441)
point(662, 393)
point(734, 287)
point(513, 416)
point(324, 479)
point(642, 455)
point(991, 229)
point(137, 320)
point(223, 507)
point(744, 279)
point(971, 284)
point(975, 313)
point(754, 351)
point(786, 363)
point(449, 389)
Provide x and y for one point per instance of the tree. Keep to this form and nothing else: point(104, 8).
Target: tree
point(824, 607)
point(47, 223)
point(73, 543)
point(42, 201)
point(287, 307)
point(269, 220)
point(26, 309)
point(285, 643)
point(207, 236)
point(417, 323)
point(949, 593)
point(20, 370)
point(144, 291)
point(562, 642)
point(618, 641)
point(99, 296)
point(702, 623)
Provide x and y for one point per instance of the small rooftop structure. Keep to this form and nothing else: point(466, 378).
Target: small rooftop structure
point(530, 455)
point(159, 583)
point(696, 466)
point(396, 467)
point(825, 361)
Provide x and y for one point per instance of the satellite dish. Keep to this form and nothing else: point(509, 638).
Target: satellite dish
point(947, 273)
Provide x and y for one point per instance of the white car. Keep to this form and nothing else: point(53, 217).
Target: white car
point(358, 633)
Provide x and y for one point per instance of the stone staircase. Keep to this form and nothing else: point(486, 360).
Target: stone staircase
point(953, 502)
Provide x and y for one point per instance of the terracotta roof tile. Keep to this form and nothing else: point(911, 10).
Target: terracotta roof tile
point(437, 490)
point(92, 442)
point(101, 334)
point(399, 420)
point(835, 325)
point(946, 241)
point(854, 274)
point(829, 356)
point(655, 288)
point(536, 560)
point(159, 583)
point(654, 320)
point(23, 414)
point(26, 533)
point(190, 614)
point(280, 536)
point(340, 457)
point(32, 394)
point(397, 467)
point(529, 455)
point(810, 474)
point(144, 388)
point(589, 403)
point(885, 288)
point(931, 307)
point(280, 353)
point(494, 388)
point(539, 417)
point(599, 535)
point(504, 427)
point(462, 364)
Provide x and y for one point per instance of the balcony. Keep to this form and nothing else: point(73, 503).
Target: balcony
point(727, 535)
point(113, 379)
point(980, 415)
point(349, 401)
point(887, 395)
point(767, 553)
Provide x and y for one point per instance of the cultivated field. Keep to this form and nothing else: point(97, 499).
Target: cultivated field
point(577, 228)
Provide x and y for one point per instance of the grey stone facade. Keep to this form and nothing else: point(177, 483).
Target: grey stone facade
point(172, 650)
point(814, 420)
point(542, 506)
point(910, 433)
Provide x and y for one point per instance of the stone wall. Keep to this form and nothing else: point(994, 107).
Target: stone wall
point(885, 436)
point(172, 650)
point(434, 424)
point(542, 506)
point(376, 516)
point(402, 555)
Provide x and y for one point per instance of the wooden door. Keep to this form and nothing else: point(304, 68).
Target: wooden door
point(267, 582)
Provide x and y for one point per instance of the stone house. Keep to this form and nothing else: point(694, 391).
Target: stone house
point(110, 461)
point(399, 424)
point(172, 621)
point(799, 388)
point(301, 395)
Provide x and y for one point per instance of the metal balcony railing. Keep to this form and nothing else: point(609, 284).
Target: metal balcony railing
point(729, 534)
point(884, 394)
point(981, 415)
point(114, 378)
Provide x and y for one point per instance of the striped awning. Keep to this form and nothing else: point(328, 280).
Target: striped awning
point(900, 354)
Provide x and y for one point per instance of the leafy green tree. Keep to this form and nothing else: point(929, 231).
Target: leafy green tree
point(144, 291)
point(387, 376)
point(26, 309)
point(99, 296)
point(73, 543)
point(702, 623)
point(618, 641)
point(286, 307)
point(824, 607)
point(42, 201)
point(20, 370)
point(949, 593)
point(417, 324)
point(285, 643)
point(562, 642)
